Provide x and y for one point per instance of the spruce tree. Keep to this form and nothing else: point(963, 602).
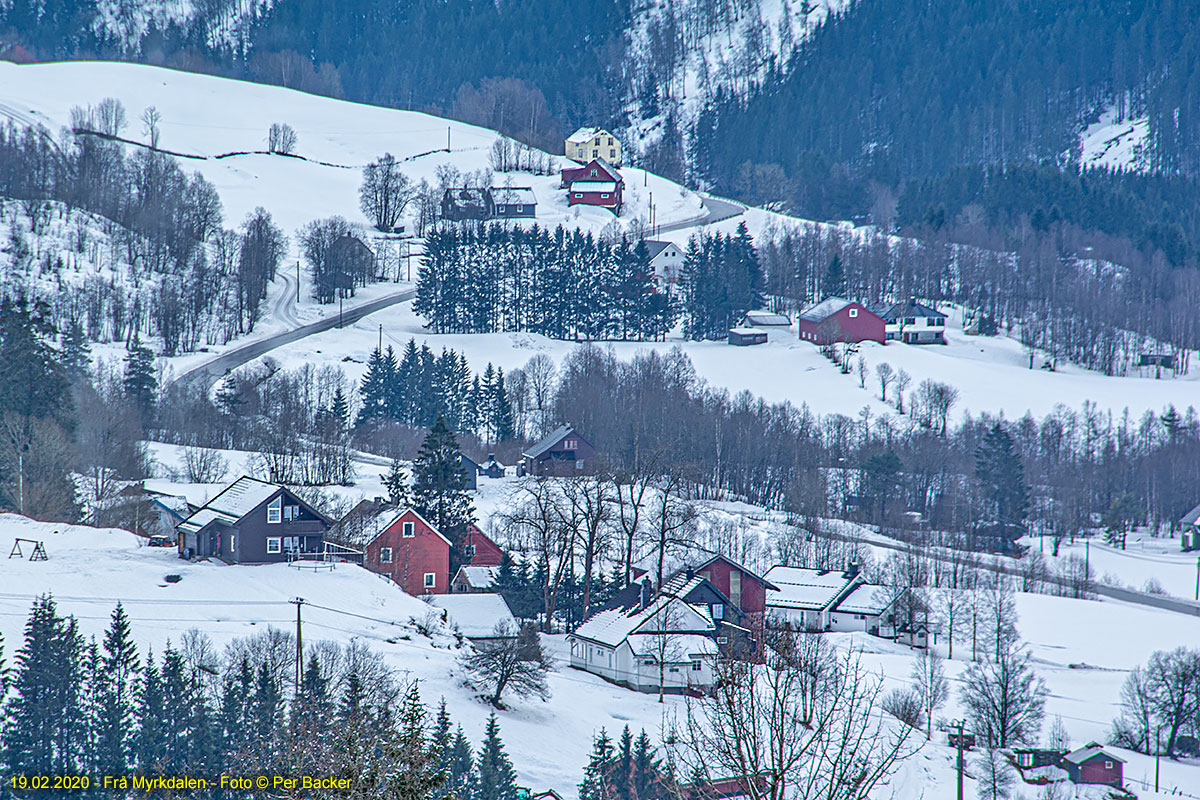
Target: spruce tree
point(151, 738)
point(595, 774)
point(119, 668)
point(414, 767)
point(76, 357)
point(494, 777)
point(266, 712)
point(834, 284)
point(373, 392)
point(503, 423)
point(235, 700)
point(180, 701)
point(140, 384)
point(622, 771)
point(439, 490)
point(646, 769)
point(44, 733)
point(310, 712)
point(460, 764)
point(999, 470)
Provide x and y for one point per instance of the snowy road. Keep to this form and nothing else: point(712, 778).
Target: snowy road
point(718, 211)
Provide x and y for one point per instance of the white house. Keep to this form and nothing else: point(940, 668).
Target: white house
point(911, 322)
point(666, 263)
point(826, 600)
point(588, 143)
point(667, 642)
point(478, 617)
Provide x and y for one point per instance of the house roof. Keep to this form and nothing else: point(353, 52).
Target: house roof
point(1088, 752)
point(761, 318)
point(681, 646)
point(476, 615)
point(555, 436)
point(1191, 518)
point(586, 135)
point(593, 186)
point(806, 589)
point(862, 599)
point(479, 577)
point(513, 196)
point(748, 331)
point(654, 247)
point(233, 502)
point(824, 309)
point(391, 515)
point(613, 626)
point(908, 308)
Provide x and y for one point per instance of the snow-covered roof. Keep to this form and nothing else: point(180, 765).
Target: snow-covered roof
point(552, 439)
point(1089, 751)
point(807, 589)
point(593, 186)
point(765, 318)
point(234, 502)
point(863, 599)
point(614, 626)
point(824, 309)
point(678, 647)
point(476, 615)
point(1191, 518)
point(908, 308)
point(584, 135)
point(479, 577)
point(748, 331)
point(513, 196)
point(389, 516)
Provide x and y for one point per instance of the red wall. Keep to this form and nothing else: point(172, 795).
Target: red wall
point(1093, 771)
point(866, 327)
point(594, 198)
point(425, 552)
point(754, 594)
point(487, 552)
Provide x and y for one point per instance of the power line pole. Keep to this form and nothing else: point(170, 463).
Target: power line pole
point(958, 745)
point(297, 283)
point(298, 602)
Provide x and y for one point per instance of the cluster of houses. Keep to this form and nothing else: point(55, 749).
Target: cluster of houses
point(836, 319)
point(1090, 764)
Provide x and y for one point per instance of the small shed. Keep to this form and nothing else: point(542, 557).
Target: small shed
point(479, 617)
point(514, 201)
point(745, 337)
point(1092, 763)
point(765, 319)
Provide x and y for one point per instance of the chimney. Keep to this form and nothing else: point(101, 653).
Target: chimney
point(491, 456)
point(647, 593)
point(690, 573)
point(851, 571)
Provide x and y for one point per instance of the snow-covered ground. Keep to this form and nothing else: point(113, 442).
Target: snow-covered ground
point(90, 569)
point(1146, 563)
point(1116, 143)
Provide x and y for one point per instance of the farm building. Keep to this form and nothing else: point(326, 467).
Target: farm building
point(473, 579)
point(563, 452)
point(1093, 764)
point(747, 337)
point(836, 319)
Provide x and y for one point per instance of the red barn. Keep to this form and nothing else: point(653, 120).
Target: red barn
point(836, 319)
point(410, 551)
point(1093, 764)
point(479, 550)
point(745, 589)
point(597, 183)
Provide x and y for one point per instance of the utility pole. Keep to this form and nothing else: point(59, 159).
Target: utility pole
point(381, 337)
point(298, 602)
point(297, 283)
point(447, 138)
point(957, 725)
point(1197, 578)
point(341, 298)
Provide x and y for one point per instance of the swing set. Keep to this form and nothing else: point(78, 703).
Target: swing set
point(38, 553)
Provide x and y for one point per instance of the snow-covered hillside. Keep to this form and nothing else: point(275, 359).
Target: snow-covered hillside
point(1116, 143)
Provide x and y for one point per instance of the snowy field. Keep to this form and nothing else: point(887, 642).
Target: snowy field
point(1145, 562)
point(90, 569)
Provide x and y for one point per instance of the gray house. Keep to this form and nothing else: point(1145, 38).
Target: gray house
point(253, 522)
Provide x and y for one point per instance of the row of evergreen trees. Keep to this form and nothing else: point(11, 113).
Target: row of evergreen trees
point(419, 387)
point(522, 585)
point(627, 771)
point(78, 707)
point(721, 281)
point(563, 284)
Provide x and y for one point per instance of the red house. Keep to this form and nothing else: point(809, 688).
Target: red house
point(479, 550)
point(836, 319)
point(745, 589)
point(1093, 764)
point(410, 551)
point(597, 183)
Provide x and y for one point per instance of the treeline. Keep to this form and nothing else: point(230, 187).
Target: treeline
point(721, 280)
point(657, 415)
point(1158, 703)
point(175, 272)
point(562, 284)
point(1051, 288)
point(419, 387)
point(76, 706)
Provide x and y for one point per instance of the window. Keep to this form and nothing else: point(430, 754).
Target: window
point(1108, 765)
point(853, 313)
point(291, 513)
point(603, 197)
point(910, 320)
point(673, 670)
point(649, 662)
point(469, 550)
point(718, 611)
point(407, 530)
point(273, 545)
point(612, 153)
point(595, 154)
point(695, 666)
point(275, 511)
point(722, 640)
point(232, 542)
point(385, 555)
point(572, 444)
point(610, 142)
point(430, 580)
point(578, 196)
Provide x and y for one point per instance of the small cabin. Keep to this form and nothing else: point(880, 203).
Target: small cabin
point(1093, 764)
point(746, 337)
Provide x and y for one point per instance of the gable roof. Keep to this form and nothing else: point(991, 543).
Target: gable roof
point(821, 311)
point(765, 318)
point(1191, 518)
point(908, 308)
point(513, 196)
point(234, 502)
point(478, 577)
point(476, 615)
point(808, 589)
point(391, 516)
point(654, 247)
point(587, 134)
point(862, 600)
point(555, 436)
point(1088, 752)
point(614, 626)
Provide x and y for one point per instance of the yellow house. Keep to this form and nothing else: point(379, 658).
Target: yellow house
point(588, 143)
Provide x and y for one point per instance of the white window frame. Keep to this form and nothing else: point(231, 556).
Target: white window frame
point(385, 555)
point(853, 313)
point(430, 580)
point(274, 544)
point(275, 511)
point(408, 530)
point(696, 665)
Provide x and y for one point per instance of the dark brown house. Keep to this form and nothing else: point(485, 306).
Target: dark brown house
point(465, 203)
point(253, 522)
point(563, 452)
